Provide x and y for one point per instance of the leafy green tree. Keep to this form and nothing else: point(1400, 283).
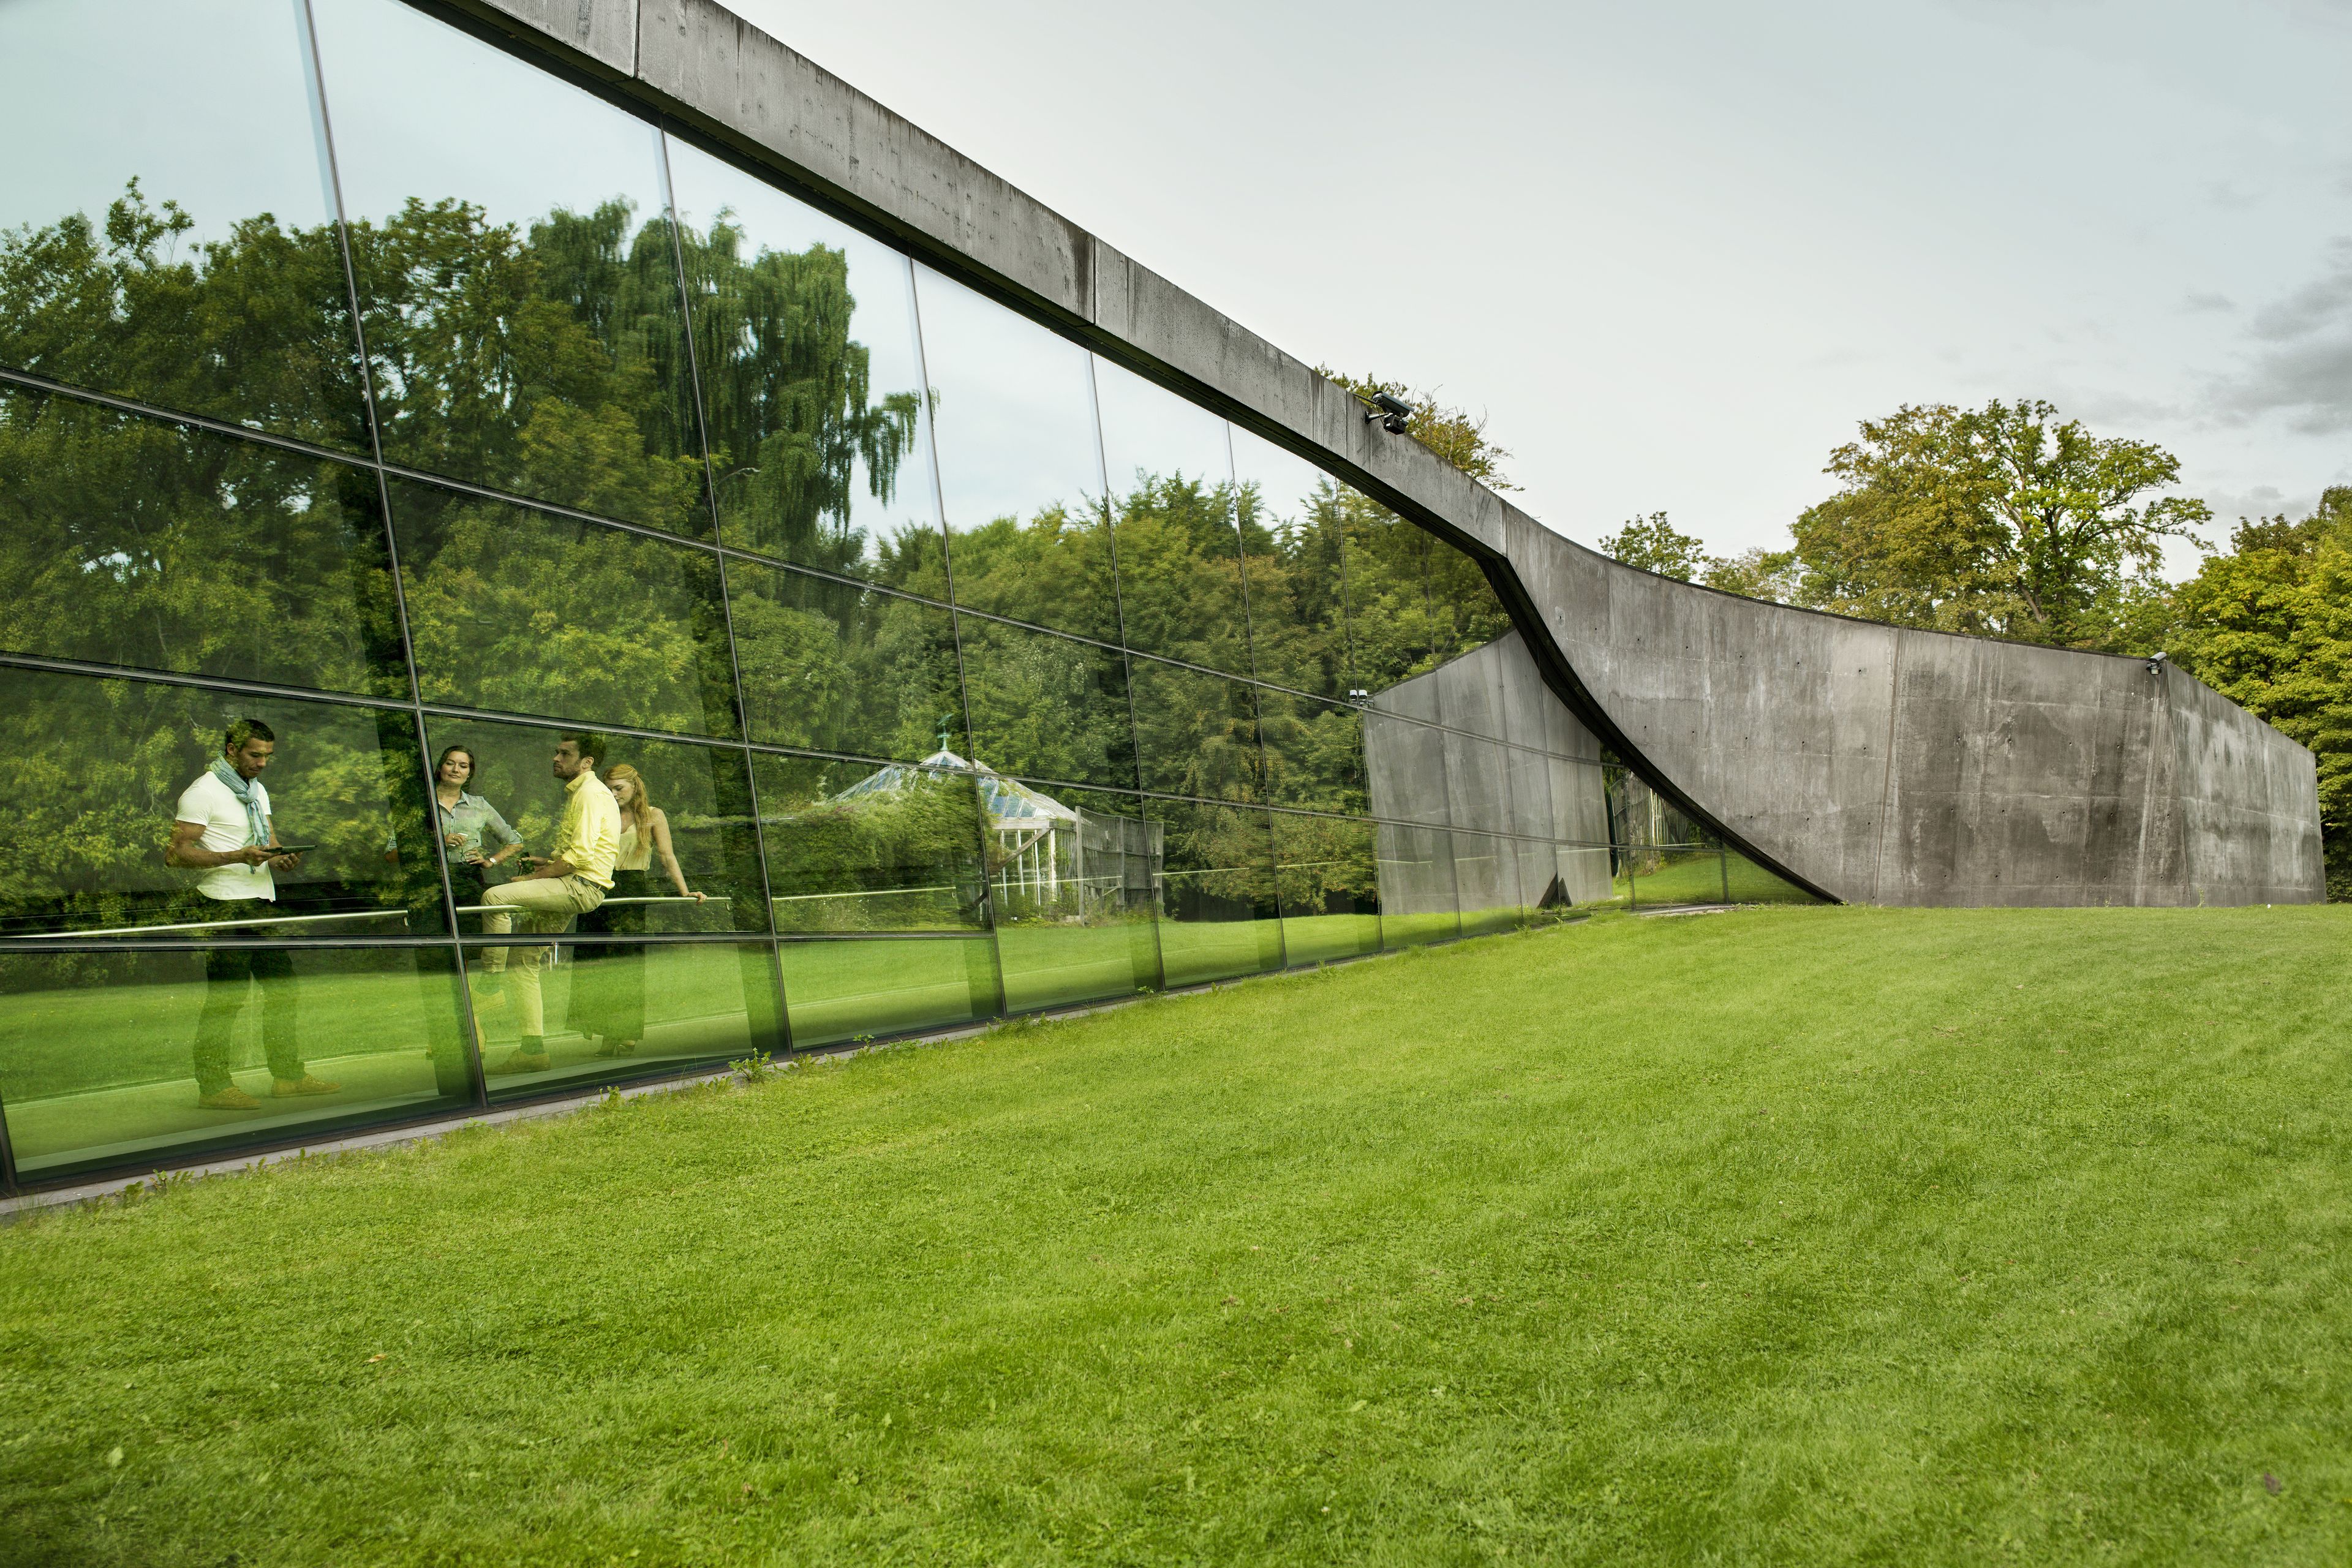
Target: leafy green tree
point(1654, 544)
point(1754, 574)
point(2269, 625)
point(2004, 520)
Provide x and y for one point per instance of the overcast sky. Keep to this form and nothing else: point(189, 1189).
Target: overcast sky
point(1675, 251)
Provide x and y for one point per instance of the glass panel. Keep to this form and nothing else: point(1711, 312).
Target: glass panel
point(1414, 601)
point(559, 1017)
point(1046, 707)
point(1288, 511)
point(1752, 884)
point(108, 774)
point(1416, 885)
point(1404, 769)
point(1527, 792)
point(1075, 905)
point(1314, 753)
point(857, 988)
point(130, 541)
point(1172, 479)
point(126, 1059)
point(812, 380)
point(855, 848)
point(1020, 469)
point(1675, 874)
point(1196, 733)
point(1328, 879)
point(1580, 800)
point(1486, 883)
point(524, 611)
point(517, 277)
point(834, 667)
point(695, 799)
point(1219, 916)
point(1476, 793)
point(165, 231)
point(1640, 815)
point(1582, 875)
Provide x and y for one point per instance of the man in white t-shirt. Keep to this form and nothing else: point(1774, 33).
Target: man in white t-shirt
point(224, 830)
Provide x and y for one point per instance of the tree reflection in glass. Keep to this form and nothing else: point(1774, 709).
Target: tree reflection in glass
point(165, 231)
point(812, 380)
point(517, 279)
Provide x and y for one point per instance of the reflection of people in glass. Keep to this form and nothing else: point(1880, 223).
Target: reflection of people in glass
point(222, 829)
point(469, 824)
point(608, 989)
point(571, 881)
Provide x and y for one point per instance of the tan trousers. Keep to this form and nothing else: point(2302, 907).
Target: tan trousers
point(548, 905)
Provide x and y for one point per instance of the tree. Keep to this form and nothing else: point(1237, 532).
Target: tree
point(1754, 574)
point(2269, 625)
point(1653, 544)
point(2004, 520)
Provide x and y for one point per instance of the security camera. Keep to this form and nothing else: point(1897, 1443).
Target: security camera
point(1393, 413)
point(2155, 662)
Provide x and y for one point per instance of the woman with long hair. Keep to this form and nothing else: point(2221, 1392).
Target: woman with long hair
point(608, 990)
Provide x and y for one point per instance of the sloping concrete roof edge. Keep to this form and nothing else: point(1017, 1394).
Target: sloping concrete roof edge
point(1864, 762)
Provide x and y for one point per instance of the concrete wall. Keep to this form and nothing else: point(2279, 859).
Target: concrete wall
point(1481, 744)
point(1871, 764)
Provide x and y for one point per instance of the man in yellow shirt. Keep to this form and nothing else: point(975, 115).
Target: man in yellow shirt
point(569, 883)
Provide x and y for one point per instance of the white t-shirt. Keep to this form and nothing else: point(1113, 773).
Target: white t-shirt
point(208, 801)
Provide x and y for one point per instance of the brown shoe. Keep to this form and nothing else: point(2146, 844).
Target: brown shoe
point(285, 1088)
point(230, 1099)
point(521, 1061)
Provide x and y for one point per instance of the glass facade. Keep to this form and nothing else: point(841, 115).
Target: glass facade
point(397, 440)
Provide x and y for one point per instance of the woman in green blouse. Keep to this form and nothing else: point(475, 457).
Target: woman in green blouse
point(468, 825)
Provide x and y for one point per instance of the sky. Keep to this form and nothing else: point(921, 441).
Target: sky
point(1675, 252)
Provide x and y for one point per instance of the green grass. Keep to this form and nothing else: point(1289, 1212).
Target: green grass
point(1788, 1235)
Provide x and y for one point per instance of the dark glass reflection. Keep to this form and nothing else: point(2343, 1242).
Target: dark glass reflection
point(1289, 512)
point(123, 1058)
point(1327, 878)
point(165, 232)
point(1020, 468)
point(1219, 913)
point(1171, 489)
point(686, 857)
point(1076, 879)
point(832, 667)
point(525, 611)
point(1196, 733)
point(518, 279)
point(1046, 707)
point(134, 542)
point(855, 848)
point(692, 1003)
point(105, 772)
point(812, 380)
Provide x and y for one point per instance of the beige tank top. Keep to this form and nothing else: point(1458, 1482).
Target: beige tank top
point(636, 853)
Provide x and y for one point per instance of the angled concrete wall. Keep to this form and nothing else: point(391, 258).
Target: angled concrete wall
point(1871, 764)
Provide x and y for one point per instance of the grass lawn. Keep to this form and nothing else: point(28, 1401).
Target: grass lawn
point(1791, 1235)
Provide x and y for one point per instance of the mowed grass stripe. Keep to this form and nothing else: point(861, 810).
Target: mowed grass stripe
point(1788, 1235)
